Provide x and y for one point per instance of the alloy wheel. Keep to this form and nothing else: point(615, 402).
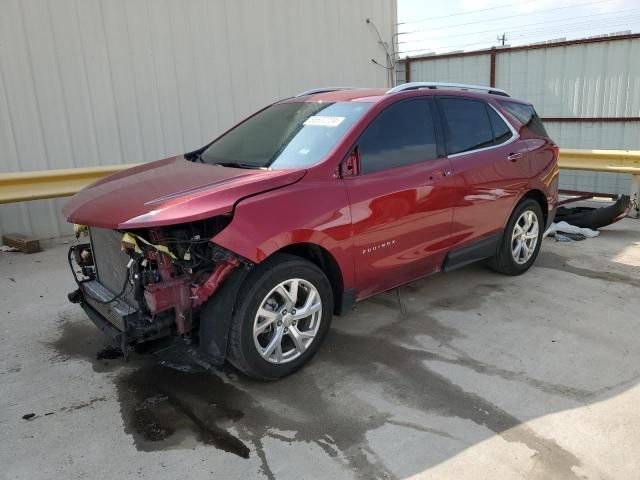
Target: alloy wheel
point(524, 238)
point(287, 321)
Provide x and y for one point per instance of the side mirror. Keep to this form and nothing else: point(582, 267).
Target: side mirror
point(351, 165)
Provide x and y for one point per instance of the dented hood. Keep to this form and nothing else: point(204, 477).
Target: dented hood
point(168, 192)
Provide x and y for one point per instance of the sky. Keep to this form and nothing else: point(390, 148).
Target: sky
point(454, 25)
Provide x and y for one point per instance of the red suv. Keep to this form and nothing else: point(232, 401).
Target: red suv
point(245, 248)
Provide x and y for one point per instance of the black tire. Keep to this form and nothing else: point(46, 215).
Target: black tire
point(504, 262)
point(242, 352)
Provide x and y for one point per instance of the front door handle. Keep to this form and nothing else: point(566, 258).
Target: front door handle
point(436, 175)
point(513, 157)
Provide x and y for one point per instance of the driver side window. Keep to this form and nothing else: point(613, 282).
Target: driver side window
point(403, 134)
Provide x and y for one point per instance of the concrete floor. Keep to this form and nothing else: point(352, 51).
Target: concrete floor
point(483, 376)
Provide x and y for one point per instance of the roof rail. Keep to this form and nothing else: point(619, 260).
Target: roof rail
point(322, 90)
point(453, 86)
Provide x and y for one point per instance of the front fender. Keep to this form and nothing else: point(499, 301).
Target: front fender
point(306, 212)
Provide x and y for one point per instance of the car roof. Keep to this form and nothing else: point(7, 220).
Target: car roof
point(375, 95)
point(347, 95)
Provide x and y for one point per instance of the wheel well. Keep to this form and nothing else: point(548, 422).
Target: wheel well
point(539, 197)
point(325, 261)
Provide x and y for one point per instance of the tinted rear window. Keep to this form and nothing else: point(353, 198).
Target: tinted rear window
point(467, 124)
point(402, 134)
point(527, 115)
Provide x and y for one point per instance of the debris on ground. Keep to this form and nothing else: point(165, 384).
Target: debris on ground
point(594, 217)
point(571, 232)
point(7, 248)
point(28, 416)
point(569, 237)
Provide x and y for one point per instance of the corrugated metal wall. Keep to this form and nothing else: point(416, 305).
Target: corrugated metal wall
point(96, 82)
point(474, 70)
point(575, 81)
point(585, 80)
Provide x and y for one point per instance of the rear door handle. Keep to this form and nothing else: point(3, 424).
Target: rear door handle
point(514, 156)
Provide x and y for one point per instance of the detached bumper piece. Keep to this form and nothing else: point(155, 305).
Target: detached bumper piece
point(595, 218)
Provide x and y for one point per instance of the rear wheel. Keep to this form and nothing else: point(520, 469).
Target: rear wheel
point(521, 240)
point(281, 317)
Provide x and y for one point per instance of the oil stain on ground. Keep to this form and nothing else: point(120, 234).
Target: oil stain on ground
point(163, 408)
point(82, 340)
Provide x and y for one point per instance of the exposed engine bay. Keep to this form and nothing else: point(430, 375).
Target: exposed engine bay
point(143, 285)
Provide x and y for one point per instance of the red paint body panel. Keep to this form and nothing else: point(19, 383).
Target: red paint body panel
point(488, 187)
point(401, 223)
point(383, 229)
point(318, 210)
point(169, 192)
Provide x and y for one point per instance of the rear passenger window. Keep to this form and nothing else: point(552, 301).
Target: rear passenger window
point(501, 132)
point(467, 124)
point(402, 134)
point(526, 115)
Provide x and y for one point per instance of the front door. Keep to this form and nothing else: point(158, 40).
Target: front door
point(401, 201)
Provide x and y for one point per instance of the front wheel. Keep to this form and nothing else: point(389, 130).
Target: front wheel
point(281, 317)
point(521, 239)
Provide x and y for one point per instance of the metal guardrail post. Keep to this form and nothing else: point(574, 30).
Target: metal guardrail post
point(635, 196)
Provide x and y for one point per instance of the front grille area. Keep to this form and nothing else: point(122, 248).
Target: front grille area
point(114, 312)
point(111, 262)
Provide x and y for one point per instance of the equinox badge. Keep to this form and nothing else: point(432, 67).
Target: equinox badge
point(380, 246)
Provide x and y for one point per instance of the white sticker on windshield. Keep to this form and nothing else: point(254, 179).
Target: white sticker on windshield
point(323, 121)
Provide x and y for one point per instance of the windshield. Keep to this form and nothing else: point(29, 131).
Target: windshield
point(285, 135)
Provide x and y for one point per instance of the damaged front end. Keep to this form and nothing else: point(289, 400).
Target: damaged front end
point(144, 285)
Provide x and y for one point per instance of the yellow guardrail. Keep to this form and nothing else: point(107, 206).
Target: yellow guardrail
point(21, 186)
point(612, 161)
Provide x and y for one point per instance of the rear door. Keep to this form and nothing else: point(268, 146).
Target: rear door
point(542, 150)
point(490, 165)
point(401, 202)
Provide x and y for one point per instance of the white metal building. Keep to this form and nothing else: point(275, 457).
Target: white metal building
point(99, 82)
point(587, 92)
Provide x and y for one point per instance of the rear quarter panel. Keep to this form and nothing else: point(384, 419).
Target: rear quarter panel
point(542, 157)
point(545, 163)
